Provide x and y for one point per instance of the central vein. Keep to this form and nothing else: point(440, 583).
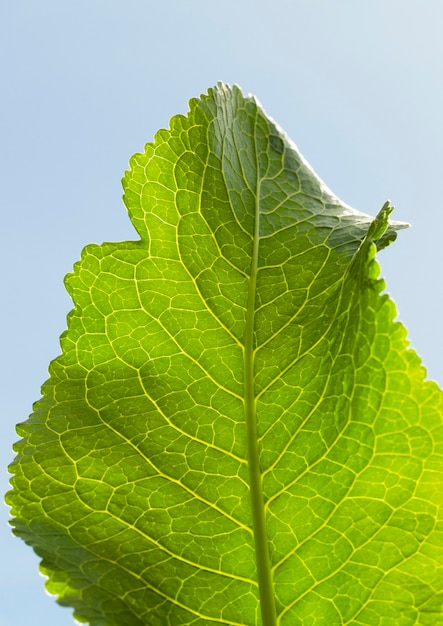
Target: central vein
point(265, 586)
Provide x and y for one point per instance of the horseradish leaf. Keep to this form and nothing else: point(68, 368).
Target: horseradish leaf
point(236, 431)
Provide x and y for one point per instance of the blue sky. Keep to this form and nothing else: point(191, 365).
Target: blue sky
point(358, 86)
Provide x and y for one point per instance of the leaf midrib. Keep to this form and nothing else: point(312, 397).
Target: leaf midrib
point(267, 603)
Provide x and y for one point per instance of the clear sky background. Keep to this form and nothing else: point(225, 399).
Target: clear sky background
point(85, 83)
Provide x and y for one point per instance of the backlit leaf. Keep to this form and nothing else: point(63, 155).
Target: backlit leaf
point(236, 431)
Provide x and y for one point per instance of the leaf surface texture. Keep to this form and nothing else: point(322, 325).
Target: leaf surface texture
point(235, 415)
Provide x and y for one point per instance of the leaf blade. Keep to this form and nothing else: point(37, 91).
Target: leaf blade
point(250, 277)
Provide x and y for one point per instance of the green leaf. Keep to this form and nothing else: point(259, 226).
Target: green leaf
point(236, 431)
